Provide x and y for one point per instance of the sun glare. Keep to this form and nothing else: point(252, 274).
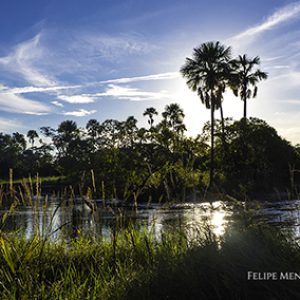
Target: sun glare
point(196, 113)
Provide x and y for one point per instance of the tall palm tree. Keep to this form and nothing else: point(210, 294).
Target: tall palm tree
point(93, 127)
point(206, 73)
point(32, 135)
point(67, 132)
point(245, 77)
point(173, 115)
point(130, 129)
point(150, 111)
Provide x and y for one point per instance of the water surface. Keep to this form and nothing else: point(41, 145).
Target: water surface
point(65, 221)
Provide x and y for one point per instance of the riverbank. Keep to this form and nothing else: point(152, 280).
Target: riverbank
point(135, 265)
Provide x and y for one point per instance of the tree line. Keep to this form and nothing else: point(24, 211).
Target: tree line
point(158, 162)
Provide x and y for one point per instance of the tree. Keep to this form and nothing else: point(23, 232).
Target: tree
point(206, 73)
point(109, 133)
point(150, 111)
point(258, 157)
point(94, 129)
point(245, 77)
point(32, 135)
point(67, 132)
point(173, 116)
point(130, 130)
point(19, 141)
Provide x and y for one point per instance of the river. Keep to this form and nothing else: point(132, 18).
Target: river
point(65, 221)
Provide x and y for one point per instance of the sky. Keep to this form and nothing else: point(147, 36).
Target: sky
point(110, 59)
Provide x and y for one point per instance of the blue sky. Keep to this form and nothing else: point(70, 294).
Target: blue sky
point(110, 59)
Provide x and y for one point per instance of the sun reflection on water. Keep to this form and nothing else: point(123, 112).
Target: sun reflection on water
point(207, 215)
point(218, 222)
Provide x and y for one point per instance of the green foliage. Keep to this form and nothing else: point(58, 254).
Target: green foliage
point(159, 163)
point(256, 157)
point(127, 161)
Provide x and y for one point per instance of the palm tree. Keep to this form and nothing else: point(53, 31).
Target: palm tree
point(150, 111)
point(207, 73)
point(130, 129)
point(32, 135)
point(173, 115)
point(245, 77)
point(93, 127)
point(67, 132)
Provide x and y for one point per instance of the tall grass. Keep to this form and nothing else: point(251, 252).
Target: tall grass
point(139, 265)
point(135, 265)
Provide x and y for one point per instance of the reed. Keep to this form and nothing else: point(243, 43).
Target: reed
point(137, 265)
point(134, 264)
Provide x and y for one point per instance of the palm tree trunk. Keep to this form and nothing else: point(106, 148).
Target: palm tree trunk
point(245, 108)
point(212, 150)
point(223, 126)
point(244, 98)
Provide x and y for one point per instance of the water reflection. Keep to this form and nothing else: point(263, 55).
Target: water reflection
point(65, 221)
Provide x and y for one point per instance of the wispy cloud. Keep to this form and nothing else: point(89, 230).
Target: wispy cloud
point(56, 103)
point(113, 47)
point(79, 113)
point(280, 16)
point(161, 76)
point(80, 98)
point(19, 104)
point(270, 59)
point(132, 94)
point(77, 99)
point(34, 89)
point(23, 60)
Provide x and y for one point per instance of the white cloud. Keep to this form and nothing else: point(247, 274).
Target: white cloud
point(79, 113)
point(19, 104)
point(111, 47)
point(280, 67)
point(23, 60)
point(56, 103)
point(268, 59)
point(77, 99)
point(280, 16)
point(33, 89)
point(132, 94)
point(162, 76)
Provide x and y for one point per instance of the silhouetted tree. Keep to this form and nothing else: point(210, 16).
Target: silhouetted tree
point(32, 135)
point(173, 116)
point(150, 112)
point(206, 73)
point(246, 77)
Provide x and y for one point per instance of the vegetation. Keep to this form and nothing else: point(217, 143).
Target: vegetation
point(119, 160)
point(138, 265)
point(160, 162)
point(242, 78)
point(207, 74)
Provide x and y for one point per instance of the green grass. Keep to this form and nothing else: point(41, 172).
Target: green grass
point(134, 265)
point(137, 265)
